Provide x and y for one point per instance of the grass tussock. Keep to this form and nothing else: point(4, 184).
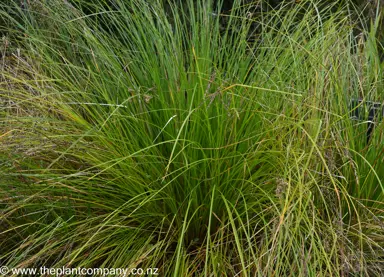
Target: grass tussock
point(201, 143)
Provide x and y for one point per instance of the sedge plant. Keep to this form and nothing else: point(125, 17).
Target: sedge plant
point(173, 135)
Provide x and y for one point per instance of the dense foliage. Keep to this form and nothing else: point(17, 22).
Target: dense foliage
point(197, 139)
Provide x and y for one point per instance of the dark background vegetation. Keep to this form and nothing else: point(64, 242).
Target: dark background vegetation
point(359, 8)
point(366, 8)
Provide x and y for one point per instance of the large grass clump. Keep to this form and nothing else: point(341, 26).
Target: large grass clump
point(173, 135)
